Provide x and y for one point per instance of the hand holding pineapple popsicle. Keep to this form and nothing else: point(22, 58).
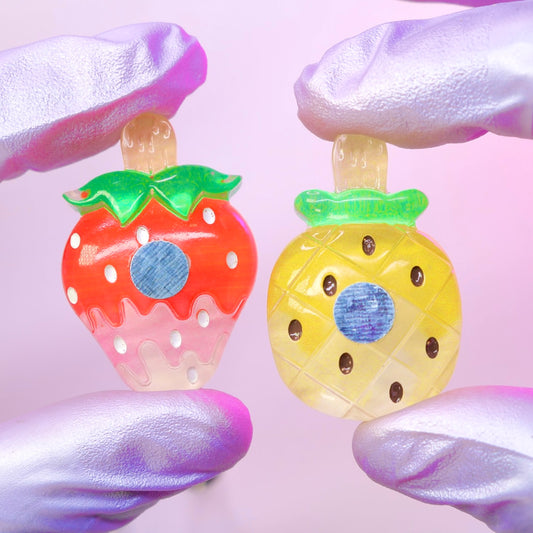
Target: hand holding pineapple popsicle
point(421, 83)
point(364, 311)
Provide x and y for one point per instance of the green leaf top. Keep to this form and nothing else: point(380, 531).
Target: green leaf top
point(359, 206)
point(125, 193)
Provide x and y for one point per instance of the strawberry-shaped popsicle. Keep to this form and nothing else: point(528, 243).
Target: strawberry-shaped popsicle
point(160, 264)
point(364, 313)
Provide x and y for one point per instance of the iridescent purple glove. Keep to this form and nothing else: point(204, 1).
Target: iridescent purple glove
point(69, 97)
point(96, 462)
point(470, 448)
point(424, 83)
point(421, 83)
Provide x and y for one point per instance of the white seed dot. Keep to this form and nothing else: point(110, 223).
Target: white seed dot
point(232, 260)
point(72, 295)
point(192, 375)
point(110, 273)
point(143, 236)
point(175, 338)
point(203, 318)
point(209, 215)
point(120, 345)
point(75, 240)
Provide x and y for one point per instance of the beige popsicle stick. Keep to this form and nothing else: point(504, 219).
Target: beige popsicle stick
point(148, 144)
point(359, 162)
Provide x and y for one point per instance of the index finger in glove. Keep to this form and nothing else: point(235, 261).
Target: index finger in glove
point(68, 97)
point(96, 462)
point(421, 83)
point(470, 448)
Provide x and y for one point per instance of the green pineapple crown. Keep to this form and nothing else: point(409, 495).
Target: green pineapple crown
point(360, 173)
point(360, 206)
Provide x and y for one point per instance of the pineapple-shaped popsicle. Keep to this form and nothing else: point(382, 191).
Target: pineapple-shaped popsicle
point(364, 312)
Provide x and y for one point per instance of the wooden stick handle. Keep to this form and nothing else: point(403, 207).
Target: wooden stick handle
point(148, 144)
point(359, 162)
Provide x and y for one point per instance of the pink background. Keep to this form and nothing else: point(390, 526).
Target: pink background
point(299, 475)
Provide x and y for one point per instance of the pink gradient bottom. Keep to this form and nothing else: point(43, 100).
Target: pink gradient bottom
point(158, 351)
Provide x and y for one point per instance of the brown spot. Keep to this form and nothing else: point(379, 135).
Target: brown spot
point(417, 276)
point(369, 245)
point(432, 347)
point(295, 330)
point(329, 285)
point(346, 363)
point(396, 392)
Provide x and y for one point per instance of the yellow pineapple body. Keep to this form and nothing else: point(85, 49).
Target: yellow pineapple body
point(361, 380)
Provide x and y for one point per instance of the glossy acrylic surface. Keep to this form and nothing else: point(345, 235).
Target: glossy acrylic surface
point(299, 454)
point(160, 264)
point(360, 205)
point(156, 337)
point(351, 153)
point(148, 143)
point(412, 360)
point(125, 193)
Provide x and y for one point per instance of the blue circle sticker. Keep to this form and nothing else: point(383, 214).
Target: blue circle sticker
point(159, 269)
point(364, 312)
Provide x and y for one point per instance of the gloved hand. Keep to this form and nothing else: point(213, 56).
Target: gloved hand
point(418, 84)
point(96, 462)
point(470, 448)
point(421, 83)
point(67, 98)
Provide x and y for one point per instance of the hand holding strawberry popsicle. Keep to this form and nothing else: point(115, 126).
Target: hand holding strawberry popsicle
point(131, 450)
point(160, 264)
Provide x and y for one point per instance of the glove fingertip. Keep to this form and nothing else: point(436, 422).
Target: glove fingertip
point(233, 421)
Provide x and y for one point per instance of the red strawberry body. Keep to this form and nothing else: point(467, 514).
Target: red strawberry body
point(160, 291)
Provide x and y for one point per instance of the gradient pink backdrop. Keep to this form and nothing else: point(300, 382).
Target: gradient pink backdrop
point(299, 475)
